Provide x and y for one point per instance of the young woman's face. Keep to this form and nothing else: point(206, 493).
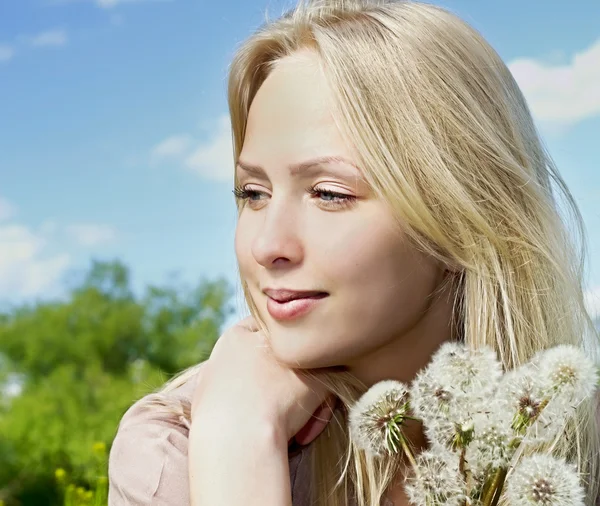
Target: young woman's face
point(320, 229)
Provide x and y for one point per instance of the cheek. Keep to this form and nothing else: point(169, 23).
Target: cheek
point(360, 252)
point(380, 274)
point(243, 247)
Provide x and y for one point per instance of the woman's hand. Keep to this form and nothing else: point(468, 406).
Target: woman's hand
point(244, 411)
point(243, 382)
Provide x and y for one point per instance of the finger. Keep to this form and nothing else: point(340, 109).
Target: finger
point(317, 423)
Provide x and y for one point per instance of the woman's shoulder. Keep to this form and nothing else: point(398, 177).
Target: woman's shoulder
point(148, 457)
point(169, 407)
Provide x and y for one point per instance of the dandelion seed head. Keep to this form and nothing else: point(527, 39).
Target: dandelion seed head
point(568, 373)
point(522, 383)
point(491, 442)
point(550, 423)
point(450, 435)
point(440, 433)
point(542, 491)
point(438, 481)
point(375, 420)
point(530, 406)
point(430, 398)
point(543, 480)
point(457, 383)
point(534, 417)
point(444, 396)
point(473, 372)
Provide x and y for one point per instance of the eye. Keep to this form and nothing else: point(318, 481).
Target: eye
point(243, 193)
point(326, 198)
point(330, 198)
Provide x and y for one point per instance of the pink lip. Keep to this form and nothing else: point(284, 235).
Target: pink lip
point(294, 308)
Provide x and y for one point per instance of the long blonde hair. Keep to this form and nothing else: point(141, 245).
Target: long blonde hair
point(447, 140)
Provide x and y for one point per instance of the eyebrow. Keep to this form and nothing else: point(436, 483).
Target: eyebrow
point(298, 168)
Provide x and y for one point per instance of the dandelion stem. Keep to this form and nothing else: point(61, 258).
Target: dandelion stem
point(463, 469)
point(499, 485)
point(494, 490)
point(461, 463)
point(408, 453)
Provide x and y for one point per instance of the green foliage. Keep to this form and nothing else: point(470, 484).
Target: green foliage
point(81, 363)
point(74, 495)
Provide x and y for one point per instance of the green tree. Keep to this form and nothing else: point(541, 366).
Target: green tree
point(82, 361)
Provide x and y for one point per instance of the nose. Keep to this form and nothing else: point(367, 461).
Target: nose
point(277, 242)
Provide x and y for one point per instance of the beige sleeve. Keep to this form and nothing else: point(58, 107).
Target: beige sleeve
point(148, 460)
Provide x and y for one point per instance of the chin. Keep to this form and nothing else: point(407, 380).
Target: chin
point(298, 349)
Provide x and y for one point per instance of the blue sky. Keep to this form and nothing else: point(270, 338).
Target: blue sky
point(114, 140)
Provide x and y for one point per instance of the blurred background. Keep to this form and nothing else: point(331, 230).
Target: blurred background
point(116, 214)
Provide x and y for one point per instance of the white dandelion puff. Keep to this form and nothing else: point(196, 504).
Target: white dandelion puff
point(568, 373)
point(430, 398)
point(445, 409)
point(436, 481)
point(524, 393)
point(452, 389)
point(376, 420)
point(534, 417)
point(450, 435)
point(479, 422)
point(542, 480)
point(474, 372)
point(492, 442)
point(440, 433)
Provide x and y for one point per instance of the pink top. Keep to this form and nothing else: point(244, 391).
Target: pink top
point(148, 459)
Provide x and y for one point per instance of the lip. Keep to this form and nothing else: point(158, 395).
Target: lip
point(285, 294)
point(285, 305)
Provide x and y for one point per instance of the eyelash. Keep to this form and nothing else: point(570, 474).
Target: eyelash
point(345, 200)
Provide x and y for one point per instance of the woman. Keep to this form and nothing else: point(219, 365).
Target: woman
point(393, 194)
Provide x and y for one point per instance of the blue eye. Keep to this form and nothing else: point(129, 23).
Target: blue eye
point(245, 194)
point(330, 198)
point(326, 198)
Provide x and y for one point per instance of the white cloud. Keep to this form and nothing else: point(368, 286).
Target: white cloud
point(174, 146)
point(211, 159)
point(6, 53)
point(50, 38)
point(7, 210)
point(592, 302)
point(561, 95)
point(90, 234)
point(32, 261)
point(26, 269)
point(48, 227)
point(214, 159)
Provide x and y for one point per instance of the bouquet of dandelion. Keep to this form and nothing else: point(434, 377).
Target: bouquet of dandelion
point(479, 422)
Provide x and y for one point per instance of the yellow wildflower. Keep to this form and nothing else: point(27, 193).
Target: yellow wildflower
point(60, 474)
point(99, 448)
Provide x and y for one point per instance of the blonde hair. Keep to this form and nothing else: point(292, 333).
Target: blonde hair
point(447, 141)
